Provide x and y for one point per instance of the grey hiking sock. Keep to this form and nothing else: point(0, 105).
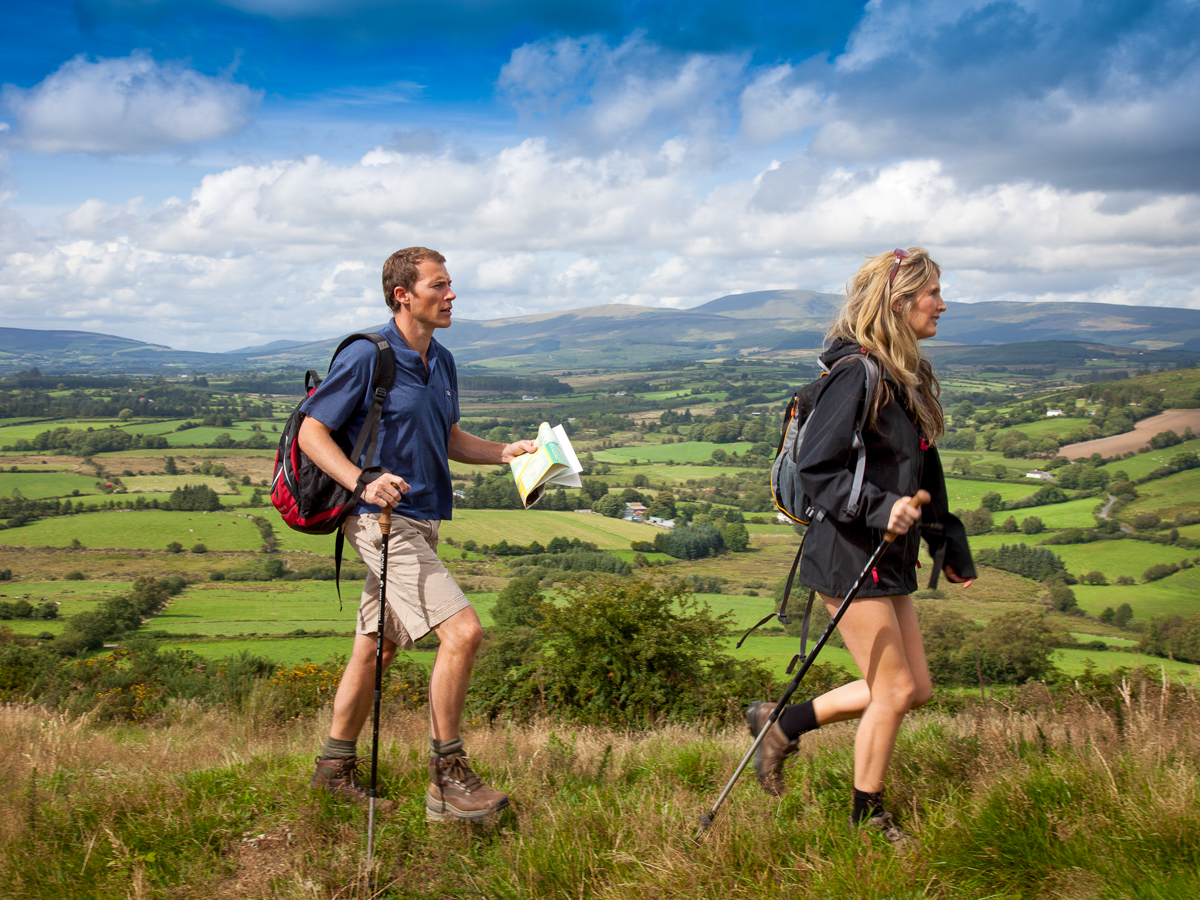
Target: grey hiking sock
point(338, 749)
point(452, 747)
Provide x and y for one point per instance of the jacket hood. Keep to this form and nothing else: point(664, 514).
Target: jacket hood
point(840, 348)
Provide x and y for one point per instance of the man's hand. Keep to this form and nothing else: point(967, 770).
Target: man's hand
point(385, 491)
point(517, 448)
point(904, 516)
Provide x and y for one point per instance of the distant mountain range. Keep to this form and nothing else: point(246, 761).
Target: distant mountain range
point(616, 335)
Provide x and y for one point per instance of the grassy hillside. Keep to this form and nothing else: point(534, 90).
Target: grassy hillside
point(1061, 799)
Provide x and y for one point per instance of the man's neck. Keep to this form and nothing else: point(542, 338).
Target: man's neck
point(414, 335)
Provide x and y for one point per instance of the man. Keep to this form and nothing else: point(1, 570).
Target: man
point(418, 431)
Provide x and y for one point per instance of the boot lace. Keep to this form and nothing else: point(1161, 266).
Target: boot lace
point(457, 770)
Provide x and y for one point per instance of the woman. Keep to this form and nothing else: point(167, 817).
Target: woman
point(893, 302)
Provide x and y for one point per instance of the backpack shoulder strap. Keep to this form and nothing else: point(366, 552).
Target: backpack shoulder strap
point(871, 373)
point(381, 383)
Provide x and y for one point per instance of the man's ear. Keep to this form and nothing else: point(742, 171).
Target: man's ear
point(399, 294)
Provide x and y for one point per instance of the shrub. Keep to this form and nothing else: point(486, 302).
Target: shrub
point(1146, 521)
point(622, 651)
point(1160, 570)
point(976, 521)
point(1093, 577)
point(1032, 525)
point(75, 575)
point(174, 547)
point(198, 547)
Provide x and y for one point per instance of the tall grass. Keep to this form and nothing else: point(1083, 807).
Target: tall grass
point(1071, 795)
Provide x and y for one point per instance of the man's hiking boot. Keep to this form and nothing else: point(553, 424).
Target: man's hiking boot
point(774, 749)
point(340, 778)
point(885, 823)
point(456, 792)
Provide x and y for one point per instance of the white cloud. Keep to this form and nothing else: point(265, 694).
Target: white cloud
point(292, 248)
point(632, 95)
point(128, 105)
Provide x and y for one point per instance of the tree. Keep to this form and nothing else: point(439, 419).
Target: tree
point(993, 501)
point(1123, 615)
point(520, 604)
point(1108, 615)
point(1032, 525)
point(1062, 598)
point(609, 505)
point(169, 466)
point(1008, 526)
point(1014, 648)
point(736, 538)
point(977, 521)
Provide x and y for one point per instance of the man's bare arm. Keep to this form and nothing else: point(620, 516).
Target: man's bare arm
point(467, 448)
point(317, 441)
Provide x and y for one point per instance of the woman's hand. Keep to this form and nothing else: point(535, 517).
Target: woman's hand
point(904, 516)
point(953, 576)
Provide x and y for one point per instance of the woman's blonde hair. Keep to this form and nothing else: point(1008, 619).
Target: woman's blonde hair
point(876, 316)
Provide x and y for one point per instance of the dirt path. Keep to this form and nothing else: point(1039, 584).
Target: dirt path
point(1172, 420)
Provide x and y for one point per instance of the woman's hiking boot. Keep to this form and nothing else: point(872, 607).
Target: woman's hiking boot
point(340, 778)
point(885, 824)
point(774, 749)
point(456, 792)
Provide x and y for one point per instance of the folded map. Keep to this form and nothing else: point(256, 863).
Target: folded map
point(554, 462)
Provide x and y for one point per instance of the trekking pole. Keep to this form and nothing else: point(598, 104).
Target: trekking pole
point(806, 662)
point(385, 529)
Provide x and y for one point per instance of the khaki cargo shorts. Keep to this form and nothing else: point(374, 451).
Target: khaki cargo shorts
point(421, 594)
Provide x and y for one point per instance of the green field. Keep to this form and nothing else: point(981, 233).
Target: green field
point(661, 473)
point(153, 529)
point(966, 494)
point(1073, 661)
point(1113, 558)
point(1145, 463)
point(1072, 514)
point(1176, 595)
point(39, 486)
point(689, 451)
point(1167, 496)
point(167, 483)
point(10, 434)
point(490, 526)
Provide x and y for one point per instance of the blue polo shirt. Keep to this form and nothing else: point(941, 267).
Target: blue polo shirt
point(414, 430)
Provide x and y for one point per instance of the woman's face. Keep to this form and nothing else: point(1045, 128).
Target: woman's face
point(924, 311)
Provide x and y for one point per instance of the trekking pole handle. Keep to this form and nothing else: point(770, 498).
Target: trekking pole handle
point(385, 521)
point(917, 502)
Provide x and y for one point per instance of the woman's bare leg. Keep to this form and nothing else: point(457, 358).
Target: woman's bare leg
point(850, 700)
point(875, 637)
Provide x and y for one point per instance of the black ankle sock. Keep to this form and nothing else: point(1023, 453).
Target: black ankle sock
point(798, 720)
point(866, 805)
point(333, 748)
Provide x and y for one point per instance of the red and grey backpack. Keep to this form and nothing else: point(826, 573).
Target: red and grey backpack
point(308, 499)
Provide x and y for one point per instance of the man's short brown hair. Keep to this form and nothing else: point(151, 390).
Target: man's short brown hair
point(400, 270)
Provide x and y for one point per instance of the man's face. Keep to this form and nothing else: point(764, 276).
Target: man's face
point(431, 299)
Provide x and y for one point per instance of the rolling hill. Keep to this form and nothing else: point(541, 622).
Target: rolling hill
point(618, 334)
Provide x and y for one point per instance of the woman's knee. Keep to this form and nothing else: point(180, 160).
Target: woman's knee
point(922, 693)
point(899, 695)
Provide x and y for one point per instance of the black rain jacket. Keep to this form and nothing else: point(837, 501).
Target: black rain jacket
point(899, 463)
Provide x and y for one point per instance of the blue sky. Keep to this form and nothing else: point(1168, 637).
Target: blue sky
point(216, 174)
